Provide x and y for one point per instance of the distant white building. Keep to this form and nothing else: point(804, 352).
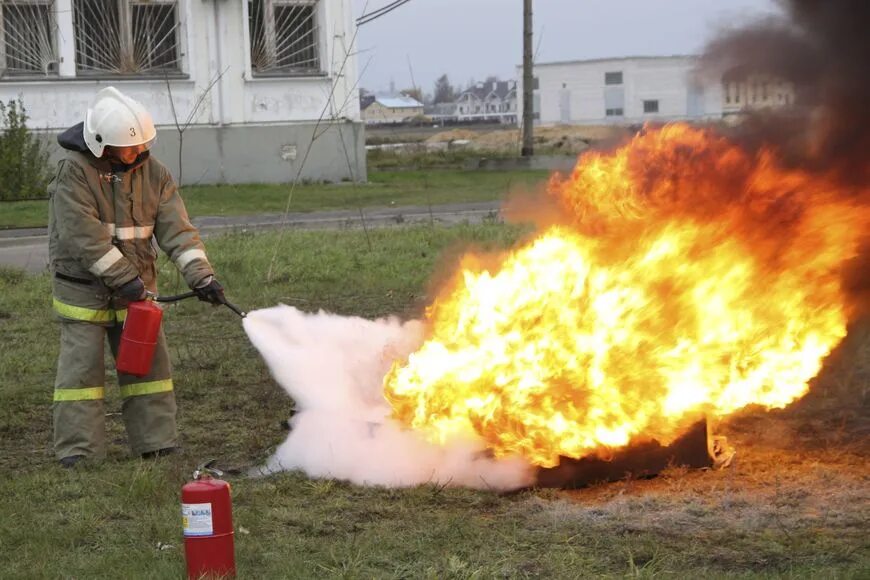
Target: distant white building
point(280, 68)
point(391, 110)
point(622, 90)
point(488, 101)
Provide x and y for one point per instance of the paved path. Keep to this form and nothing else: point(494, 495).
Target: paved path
point(28, 248)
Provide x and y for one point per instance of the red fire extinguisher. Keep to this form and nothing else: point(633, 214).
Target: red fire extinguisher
point(139, 338)
point(142, 329)
point(207, 513)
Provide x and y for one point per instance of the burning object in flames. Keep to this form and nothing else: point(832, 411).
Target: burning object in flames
point(676, 278)
point(688, 278)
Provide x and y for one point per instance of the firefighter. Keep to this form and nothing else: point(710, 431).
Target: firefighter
point(110, 201)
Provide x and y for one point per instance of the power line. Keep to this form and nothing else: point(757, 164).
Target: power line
point(380, 11)
point(375, 14)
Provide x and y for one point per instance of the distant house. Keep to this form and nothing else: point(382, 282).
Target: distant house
point(365, 99)
point(489, 101)
point(386, 110)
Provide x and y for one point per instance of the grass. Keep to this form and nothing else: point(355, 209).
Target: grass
point(23, 214)
point(401, 188)
point(795, 504)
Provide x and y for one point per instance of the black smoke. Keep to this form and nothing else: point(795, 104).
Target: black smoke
point(823, 48)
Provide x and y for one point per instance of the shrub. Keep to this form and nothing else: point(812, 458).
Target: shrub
point(24, 166)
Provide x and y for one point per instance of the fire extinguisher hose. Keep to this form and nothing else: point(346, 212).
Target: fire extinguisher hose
point(176, 298)
point(186, 295)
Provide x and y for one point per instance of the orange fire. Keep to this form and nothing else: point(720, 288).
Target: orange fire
point(686, 277)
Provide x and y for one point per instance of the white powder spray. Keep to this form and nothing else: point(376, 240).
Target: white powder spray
point(333, 367)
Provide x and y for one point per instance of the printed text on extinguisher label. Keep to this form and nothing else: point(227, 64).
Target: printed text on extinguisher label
point(197, 519)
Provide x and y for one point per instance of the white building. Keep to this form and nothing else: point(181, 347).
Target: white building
point(278, 67)
point(622, 90)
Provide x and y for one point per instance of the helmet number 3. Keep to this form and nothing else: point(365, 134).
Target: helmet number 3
point(132, 132)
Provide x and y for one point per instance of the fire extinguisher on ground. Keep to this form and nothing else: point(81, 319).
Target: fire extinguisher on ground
point(207, 515)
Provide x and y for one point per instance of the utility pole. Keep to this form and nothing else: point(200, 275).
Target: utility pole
point(528, 82)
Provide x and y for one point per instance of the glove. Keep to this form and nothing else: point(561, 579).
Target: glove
point(210, 291)
point(131, 291)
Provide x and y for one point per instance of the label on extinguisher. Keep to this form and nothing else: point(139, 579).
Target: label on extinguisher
point(197, 519)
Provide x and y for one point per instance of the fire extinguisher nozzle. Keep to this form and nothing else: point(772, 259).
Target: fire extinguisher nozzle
point(234, 308)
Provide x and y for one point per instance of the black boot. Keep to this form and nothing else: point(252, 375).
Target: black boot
point(71, 461)
point(160, 453)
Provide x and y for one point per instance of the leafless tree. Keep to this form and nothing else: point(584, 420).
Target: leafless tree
point(181, 128)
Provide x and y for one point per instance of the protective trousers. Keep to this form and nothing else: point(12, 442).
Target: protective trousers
point(148, 407)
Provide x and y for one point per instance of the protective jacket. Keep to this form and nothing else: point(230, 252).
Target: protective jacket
point(103, 218)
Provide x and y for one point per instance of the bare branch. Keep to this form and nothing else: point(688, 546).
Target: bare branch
point(171, 101)
point(202, 96)
point(192, 115)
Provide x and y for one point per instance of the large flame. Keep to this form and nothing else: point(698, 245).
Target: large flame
point(686, 277)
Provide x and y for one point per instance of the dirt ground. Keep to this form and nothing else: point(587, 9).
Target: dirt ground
point(564, 138)
point(555, 139)
point(799, 483)
point(794, 487)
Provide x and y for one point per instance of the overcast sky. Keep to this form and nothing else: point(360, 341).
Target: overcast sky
point(476, 38)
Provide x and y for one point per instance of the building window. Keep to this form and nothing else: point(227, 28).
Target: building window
point(27, 38)
point(613, 78)
point(651, 106)
point(121, 37)
point(284, 37)
point(614, 112)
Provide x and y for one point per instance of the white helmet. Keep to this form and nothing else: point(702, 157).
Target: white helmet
point(115, 119)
